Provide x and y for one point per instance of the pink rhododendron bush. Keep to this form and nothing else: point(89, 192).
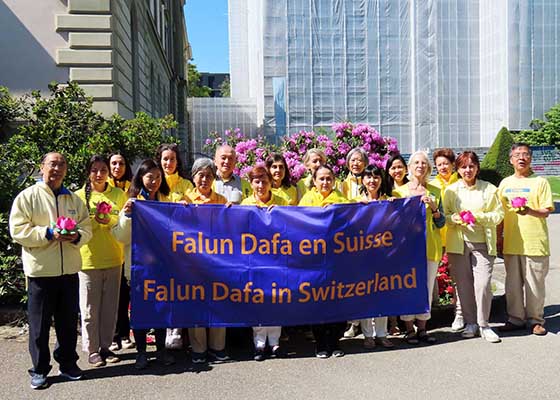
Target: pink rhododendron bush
point(336, 144)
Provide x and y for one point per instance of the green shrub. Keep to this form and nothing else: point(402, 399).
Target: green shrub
point(496, 166)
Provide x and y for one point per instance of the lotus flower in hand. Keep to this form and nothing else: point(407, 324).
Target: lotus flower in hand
point(467, 218)
point(65, 226)
point(518, 203)
point(103, 209)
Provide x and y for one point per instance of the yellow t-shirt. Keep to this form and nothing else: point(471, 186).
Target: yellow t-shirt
point(196, 198)
point(289, 193)
point(434, 248)
point(103, 250)
point(274, 200)
point(525, 234)
point(442, 184)
point(315, 199)
point(178, 184)
point(350, 187)
point(123, 185)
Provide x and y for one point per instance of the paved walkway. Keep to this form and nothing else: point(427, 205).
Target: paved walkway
point(522, 366)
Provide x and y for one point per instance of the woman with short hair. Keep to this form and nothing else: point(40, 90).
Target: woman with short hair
point(474, 211)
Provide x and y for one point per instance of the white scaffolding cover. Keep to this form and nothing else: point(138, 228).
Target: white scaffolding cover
point(431, 73)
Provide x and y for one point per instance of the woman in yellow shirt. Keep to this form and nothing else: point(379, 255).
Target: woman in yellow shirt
point(396, 172)
point(373, 189)
point(471, 243)
point(444, 161)
point(168, 156)
point(120, 175)
point(281, 186)
point(312, 160)
point(213, 342)
point(147, 184)
point(322, 195)
point(419, 168)
point(102, 259)
point(261, 183)
point(356, 161)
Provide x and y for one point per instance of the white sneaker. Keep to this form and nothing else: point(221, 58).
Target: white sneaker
point(470, 331)
point(351, 332)
point(458, 323)
point(489, 335)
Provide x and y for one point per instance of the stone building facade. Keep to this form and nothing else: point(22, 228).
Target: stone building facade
point(129, 55)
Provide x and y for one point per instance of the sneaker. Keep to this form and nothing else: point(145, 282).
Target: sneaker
point(74, 373)
point(165, 357)
point(141, 360)
point(489, 335)
point(38, 381)
point(338, 353)
point(218, 355)
point(109, 356)
point(458, 323)
point(198, 358)
point(322, 354)
point(277, 352)
point(259, 355)
point(470, 331)
point(538, 330)
point(369, 343)
point(115, 346)
point(127, 344)
point(353, 331)
point(96, 360)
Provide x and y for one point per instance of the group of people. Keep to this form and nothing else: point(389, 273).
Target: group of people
point(87, 269)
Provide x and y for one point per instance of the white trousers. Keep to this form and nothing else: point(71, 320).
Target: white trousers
point(260, 333)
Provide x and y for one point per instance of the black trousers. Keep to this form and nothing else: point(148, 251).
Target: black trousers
point(327, 335)
point(122, 329)
point(47, 298)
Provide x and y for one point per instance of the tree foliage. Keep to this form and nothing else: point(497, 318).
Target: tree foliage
point(194, 89)
point(64, 122)
point(225, 88)
point(543, 133)
point(496, 166)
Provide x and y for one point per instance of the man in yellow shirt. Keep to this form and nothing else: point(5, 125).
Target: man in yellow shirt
point(526, 245)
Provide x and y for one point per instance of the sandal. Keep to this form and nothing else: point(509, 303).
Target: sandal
point(423, 336)
point(411, 338)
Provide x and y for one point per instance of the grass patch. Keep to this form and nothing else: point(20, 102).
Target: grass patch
point(555, 186)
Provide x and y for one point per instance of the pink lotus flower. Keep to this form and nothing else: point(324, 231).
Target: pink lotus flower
point(103, 209)
point(467, 217)
point(518, 203)
point(65, 225)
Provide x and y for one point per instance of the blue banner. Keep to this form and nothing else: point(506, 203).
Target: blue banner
point(246, 266)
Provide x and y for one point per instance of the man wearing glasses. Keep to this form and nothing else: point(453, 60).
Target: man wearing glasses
point(527, 201)
point(51, 261)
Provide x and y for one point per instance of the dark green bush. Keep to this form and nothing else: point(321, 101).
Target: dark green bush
point(496, 166)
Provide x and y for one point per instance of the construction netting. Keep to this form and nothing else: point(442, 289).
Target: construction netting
point(430, 73)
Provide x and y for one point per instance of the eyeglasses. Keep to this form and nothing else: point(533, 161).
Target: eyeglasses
point(520, 155)
point(53, 165)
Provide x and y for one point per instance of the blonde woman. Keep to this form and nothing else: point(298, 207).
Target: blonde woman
point(419, 170)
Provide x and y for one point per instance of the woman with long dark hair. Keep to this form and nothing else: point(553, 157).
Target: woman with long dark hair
point(102, 259)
